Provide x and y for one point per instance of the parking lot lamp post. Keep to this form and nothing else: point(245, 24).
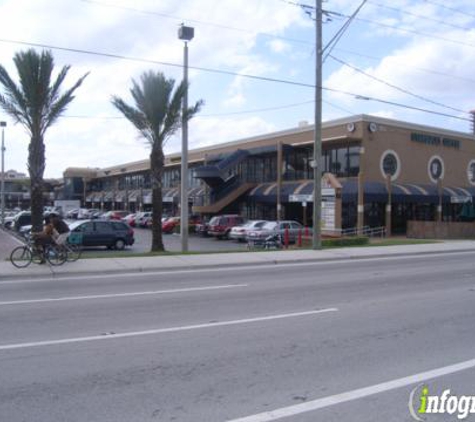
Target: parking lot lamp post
point(186, 34)
point(2, 125)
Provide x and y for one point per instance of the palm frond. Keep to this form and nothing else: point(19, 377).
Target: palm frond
point(58, 104)
point(14, 102)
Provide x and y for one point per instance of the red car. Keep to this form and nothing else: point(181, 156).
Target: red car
point(168, 226)
point(115, 215)
point(130, 219)
point(221, 225)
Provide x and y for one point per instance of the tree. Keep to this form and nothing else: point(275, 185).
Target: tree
point(36, 103)
point(157, 115)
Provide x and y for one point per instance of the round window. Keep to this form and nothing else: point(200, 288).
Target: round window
point(436, 168)
point(471, 172)
point(390, 164)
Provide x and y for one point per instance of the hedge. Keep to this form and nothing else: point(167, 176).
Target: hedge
point(345, 241)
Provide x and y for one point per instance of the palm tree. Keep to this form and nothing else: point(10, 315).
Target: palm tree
point(157, 115)
point(36, 102)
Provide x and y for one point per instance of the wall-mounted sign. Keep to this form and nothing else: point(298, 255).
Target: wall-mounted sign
point(460, 199)
point(326, 192)
point(435, 140)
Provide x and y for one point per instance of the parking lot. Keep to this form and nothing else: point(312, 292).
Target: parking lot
point(172, 242)
point(142, 244)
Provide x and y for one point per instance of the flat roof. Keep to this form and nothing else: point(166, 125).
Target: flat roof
point(145, 164)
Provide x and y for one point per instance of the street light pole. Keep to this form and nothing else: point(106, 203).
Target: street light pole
point(2, 194)
point(317, 146)
point(186, 34)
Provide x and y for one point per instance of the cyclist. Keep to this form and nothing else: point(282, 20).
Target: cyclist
point(45, 237)
point(61, 229)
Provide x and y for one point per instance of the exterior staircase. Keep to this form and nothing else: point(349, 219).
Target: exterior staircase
point(224, 200)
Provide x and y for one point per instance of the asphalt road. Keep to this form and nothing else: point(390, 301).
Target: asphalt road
point(228, 344)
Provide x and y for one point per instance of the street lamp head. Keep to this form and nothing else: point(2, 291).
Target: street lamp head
point(3, 124)
point(186, 33)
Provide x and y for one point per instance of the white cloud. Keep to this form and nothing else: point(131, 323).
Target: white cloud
point(231, 35)
point(279, 46)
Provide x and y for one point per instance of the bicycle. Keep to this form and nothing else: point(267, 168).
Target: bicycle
point(22, 256)
point(73, 251)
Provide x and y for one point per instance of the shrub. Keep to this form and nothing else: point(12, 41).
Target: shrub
point(345, 241)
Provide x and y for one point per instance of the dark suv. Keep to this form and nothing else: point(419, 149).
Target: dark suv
point(221, 225)
point(113, 234)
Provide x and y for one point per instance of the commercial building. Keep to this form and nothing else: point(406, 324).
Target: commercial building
point(17, 190)
point(376, 172)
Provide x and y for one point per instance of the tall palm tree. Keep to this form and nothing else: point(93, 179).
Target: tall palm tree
point(157, 114)
point(36, 102)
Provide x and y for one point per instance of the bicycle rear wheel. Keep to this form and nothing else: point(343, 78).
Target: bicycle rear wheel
point(73, 252)
point(21, 257)
point(55, 256)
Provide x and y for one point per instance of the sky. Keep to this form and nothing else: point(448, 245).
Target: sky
point(413, 53)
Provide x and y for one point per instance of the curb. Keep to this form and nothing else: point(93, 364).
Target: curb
point(152, 269)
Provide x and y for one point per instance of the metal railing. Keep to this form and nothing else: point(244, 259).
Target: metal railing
point(353, 231)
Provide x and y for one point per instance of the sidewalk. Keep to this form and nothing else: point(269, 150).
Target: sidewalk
point(216, 260)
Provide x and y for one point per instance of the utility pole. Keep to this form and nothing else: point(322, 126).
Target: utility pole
point(2, 195)
point(317, 146)
point(185, 33)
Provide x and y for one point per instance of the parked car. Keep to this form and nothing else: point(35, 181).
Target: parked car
point(277, 227)
point(114, 215)
point(23, 218)
point(168, 226)
point(130, 219)
point(72, 214)
point(202, 229)
point(82, 213)
point(110, 233)
point(240, 232)
point(220, 226)
point(141, 218)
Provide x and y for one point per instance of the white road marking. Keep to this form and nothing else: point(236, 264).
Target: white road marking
point(112, 336)
point(240, 267)
point(116, 295)
point(285, 412)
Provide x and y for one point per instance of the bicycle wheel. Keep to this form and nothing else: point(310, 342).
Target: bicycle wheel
point(21, 257)
point(73, 252)
point(55, 256)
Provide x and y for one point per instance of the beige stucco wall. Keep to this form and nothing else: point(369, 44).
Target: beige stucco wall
point(415, 156)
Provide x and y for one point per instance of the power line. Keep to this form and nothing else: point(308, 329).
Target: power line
point(379, 100)
point(418, 16)
point(257, 110)
point(195, 21)
point(141, 60)
point(435, 72)
point(410, 31)
point(334, 41)
point(405, 91)
point(223, 72)
point(452, 9)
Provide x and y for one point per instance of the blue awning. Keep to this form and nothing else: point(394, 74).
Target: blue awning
point(406, 193)
point(373, 192)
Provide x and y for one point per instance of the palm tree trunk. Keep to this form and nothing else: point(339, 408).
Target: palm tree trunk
point(156, 165)
point(36, 168)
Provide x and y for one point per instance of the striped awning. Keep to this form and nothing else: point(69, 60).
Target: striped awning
point(267, 192)
point(373, 192)
point(407, 193)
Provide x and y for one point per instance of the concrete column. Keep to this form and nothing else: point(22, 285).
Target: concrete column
point(388, 205)
point(360, 207)
point(279, 180)
point(338, 209)
point(439, 206)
